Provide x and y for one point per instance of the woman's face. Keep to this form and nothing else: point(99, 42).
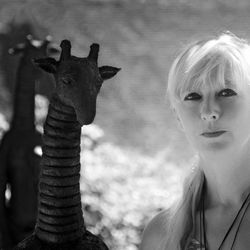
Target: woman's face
point(216, 119)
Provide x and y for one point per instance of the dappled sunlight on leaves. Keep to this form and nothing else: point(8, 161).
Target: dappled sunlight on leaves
point(41, 110)
point(126, 188)
point(4, 125)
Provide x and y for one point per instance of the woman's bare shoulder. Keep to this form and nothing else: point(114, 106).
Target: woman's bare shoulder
point(155, 232)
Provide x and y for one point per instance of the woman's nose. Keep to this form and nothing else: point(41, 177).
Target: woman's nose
point(210, 112)
point(213, 116)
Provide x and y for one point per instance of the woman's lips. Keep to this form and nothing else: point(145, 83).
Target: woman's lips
point(213, 134)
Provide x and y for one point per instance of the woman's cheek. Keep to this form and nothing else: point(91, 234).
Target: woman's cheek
point(234, 111)
point(189, 120)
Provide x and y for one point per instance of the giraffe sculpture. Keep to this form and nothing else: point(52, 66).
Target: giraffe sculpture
point(19, 164)
point(60, 222)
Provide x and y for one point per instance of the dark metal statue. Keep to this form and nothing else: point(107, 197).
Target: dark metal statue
point(60, 222)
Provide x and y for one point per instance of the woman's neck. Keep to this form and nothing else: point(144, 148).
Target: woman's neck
point(227, 177)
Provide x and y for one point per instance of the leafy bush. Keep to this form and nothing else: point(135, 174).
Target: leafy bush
point(122, 189)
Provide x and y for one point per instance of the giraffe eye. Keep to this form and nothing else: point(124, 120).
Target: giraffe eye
point(67, 81)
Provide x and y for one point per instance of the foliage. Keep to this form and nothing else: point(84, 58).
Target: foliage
point(122, 189)
point(41, 109)
point(4, 125)
point(142, 37)
point(122, 186)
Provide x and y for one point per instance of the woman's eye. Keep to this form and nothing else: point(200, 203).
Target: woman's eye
point(227, 92)
point(192, 97)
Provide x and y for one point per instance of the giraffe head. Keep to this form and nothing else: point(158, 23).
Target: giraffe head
point(32, 48)
point(78, 80)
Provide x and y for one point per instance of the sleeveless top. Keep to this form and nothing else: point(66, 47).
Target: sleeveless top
point(195, 245)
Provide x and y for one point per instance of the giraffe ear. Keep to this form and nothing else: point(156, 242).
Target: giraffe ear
point(108, 72)
point(48, 64)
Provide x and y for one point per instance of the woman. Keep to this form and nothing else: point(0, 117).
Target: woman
point(209, 89)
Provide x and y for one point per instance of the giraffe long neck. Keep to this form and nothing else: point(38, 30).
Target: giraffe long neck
point(24, 104)
point(60, 216)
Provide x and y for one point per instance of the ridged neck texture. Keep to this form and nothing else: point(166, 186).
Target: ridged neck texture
point(60, 216)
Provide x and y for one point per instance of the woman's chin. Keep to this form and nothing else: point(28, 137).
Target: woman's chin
point(214, 145)
point(217, 146)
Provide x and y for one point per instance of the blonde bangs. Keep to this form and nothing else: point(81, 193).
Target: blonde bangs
point(211, 65)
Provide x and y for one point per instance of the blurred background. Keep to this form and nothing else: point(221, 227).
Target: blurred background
point(133, 156)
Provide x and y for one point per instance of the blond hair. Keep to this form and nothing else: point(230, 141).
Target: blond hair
point(208, 63)
point(203, 64)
